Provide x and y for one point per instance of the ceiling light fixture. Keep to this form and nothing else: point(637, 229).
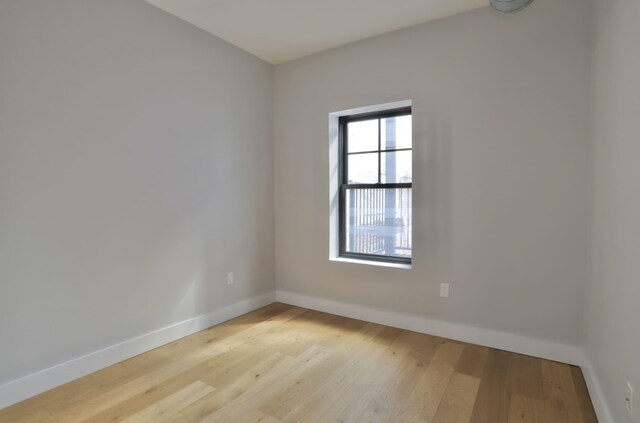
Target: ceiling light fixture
point(510, 6)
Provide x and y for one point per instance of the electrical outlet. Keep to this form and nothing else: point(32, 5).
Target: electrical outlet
point(230, 279)
point(444, 290)
point(629, 400)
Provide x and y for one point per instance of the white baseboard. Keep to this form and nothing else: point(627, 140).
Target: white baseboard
point(36, 383)
point(491, 338)
point(603, 412)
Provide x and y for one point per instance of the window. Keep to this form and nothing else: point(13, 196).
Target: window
point(375, 175)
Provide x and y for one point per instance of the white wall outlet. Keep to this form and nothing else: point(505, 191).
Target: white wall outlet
point(444, 290)
point(629, 400)
point(230, 279)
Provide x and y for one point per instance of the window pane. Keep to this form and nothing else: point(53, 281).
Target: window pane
point(362, 136)
point(363, 168)
point(378, 222)
point(396, 167)
point(395, 132)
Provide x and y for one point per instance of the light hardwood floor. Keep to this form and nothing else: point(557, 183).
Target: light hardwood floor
point(288, 364)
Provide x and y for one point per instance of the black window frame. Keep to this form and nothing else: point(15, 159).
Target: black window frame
point(344, 184)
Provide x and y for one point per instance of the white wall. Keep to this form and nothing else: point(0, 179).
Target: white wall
point(613, 311)
point(500, 108)
point(135, 171)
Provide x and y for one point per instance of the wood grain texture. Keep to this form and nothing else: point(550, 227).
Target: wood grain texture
point(492, 401)
point(588, 413)
point(288, 364)
point(523, 409)
point(561, 402)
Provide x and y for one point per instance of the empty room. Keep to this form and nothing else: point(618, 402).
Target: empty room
point(208, 213)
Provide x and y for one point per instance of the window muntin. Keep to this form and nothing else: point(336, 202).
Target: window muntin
point(376, 186)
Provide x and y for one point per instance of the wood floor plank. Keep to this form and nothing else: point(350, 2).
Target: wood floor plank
point(285, 364)
point(201, 408)
point(258, 394)
point(423, 402)
point(458, 400)
point(234, 380)
point(344, 406)
point(408, 355)
point(586, 406)
point(219, 368)
point(231, 365)
point(303, 331)
point(493, 399)
point(472, 360)
point(525, 376)
point(174, 350)
point(84, 388)
point(330, 398)
point(412, 346)
point(29, 414)
point(560, 398)
point(388, 335)
point(106, 379)
point(254, 416)
point(145, 384)
point(149, 380)
point(164, 409)
point(243, 416)
point(523, 409)
point(134, 404)
point(269, 369)
point(283, 402)
point(339, 328)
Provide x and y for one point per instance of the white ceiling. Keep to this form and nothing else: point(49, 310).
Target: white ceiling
point(281, 30)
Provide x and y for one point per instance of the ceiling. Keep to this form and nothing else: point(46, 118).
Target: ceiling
point(281, 30)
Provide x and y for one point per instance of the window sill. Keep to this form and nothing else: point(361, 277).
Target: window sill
point(372, 263)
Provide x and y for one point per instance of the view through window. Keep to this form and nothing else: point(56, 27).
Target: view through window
point(375, 188)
